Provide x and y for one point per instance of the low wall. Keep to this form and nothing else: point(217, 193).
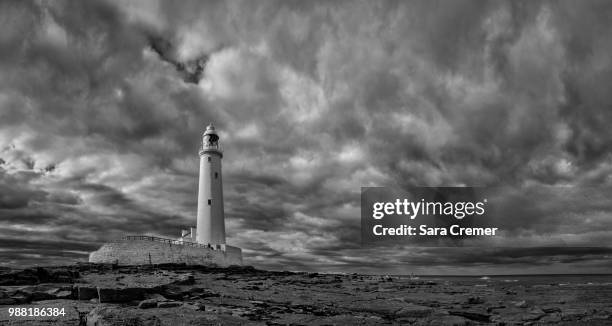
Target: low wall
point(143, 252)
point(233, 255)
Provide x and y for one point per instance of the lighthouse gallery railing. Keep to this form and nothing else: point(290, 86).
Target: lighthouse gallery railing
point(170, 241)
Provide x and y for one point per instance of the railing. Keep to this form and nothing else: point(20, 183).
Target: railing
point(217, 147)
point(170, 241)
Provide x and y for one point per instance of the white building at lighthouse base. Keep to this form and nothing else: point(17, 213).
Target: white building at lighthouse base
point(147, 250)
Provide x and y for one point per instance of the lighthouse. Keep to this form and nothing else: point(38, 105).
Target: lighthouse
point(210, 216)
point(203, 245)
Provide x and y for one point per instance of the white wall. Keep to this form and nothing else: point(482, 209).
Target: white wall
point(137, 252)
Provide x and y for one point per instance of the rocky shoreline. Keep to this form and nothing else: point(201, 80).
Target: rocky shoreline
point(93, 294)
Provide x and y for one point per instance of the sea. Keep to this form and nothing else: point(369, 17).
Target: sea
point(552, 279)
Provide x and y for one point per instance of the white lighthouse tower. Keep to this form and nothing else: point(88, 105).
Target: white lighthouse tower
point(210, 217)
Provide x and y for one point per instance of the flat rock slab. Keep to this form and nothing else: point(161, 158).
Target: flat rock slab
point(343, 319)
point(147, 304)
point(86, 292)
point(136, 280)
point(169, 304)
point(476, 316)
point(414, 311)
point(120, 294)
point(117, 316)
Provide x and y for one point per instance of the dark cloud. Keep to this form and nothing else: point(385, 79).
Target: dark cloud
point(16, 190)
point(102, 104)
point(191, 70)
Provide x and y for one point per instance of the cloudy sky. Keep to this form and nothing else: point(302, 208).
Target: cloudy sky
point(102, 104)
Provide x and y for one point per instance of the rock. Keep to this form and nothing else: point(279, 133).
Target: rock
point(379, 307)
point(107, 316)
point(120, 294)
point(174, 293)
point(195, 306)
point(533, 315)
point(21, 299)
point(126, 271)
point(414, 311)
point(550, 310)
point(206, 293)
point(8, 301)
point(185, 279)
point(476, 316)
point(30, 276)
point(521, 304)
point(302, 299)
point(599, 315)
point(169, 304)
point(40, 274)
point(53, 291)
point(156, 296)
point(573, 314)
point(493, 308)
point(146, 304)
point(236, 269)
point(63, 295)
point(38, 293)
point(452, 321)
point(550, 319)
point(63, 276)
point(39, 296)
point(87, 292)
point(111, 315)
point(475, 300)
point(224, 310)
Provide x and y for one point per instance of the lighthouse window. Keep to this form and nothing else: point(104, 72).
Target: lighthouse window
point(209, 159)
point(216, 175)
point(210, 202)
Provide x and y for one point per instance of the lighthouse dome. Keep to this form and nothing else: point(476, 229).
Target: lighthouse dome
point(210, 134)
